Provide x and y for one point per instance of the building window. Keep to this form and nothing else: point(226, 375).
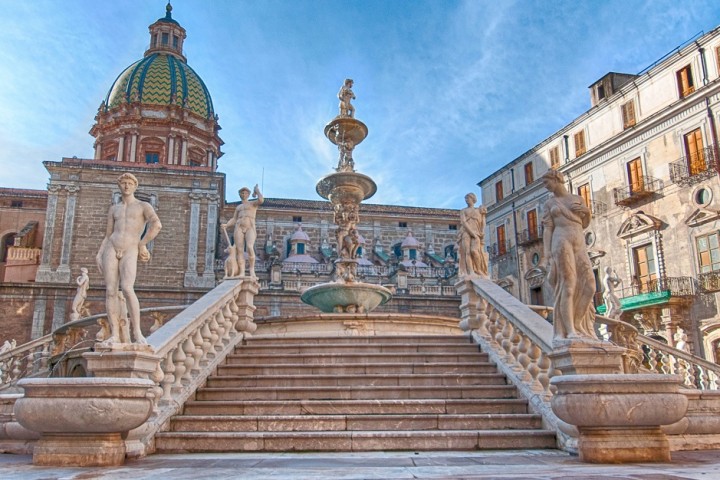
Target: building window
point(685, 82)
point(695, 152)
point(16, 203)
point(413, 254)
point(500, 235)
point(628, 114)
point(452, 227)
point(536, 296)
point(498, 191)
point(154, 40)
point(175, 41)
point(584, 192)
point(402, 224)
point(554, 157)
point(708, 249)
point(297, 219)
point(635, 176)
point(529, 176)
point(5, 244)
point(300, 247)
point(152, 157)
point(601, 92)
point(579, 139)
point(532, 223)
point(645, 268)
point(165, 38)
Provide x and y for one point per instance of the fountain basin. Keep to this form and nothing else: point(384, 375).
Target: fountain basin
point(346, 297)
point(340, 186)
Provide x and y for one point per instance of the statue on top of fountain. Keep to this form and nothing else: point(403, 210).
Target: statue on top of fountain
point(345, 95)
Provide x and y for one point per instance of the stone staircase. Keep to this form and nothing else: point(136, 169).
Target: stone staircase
point(355, 394)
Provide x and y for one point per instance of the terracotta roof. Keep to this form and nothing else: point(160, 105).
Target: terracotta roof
point(21, 192)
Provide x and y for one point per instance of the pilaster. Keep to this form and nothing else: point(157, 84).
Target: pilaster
point(211, 229)
point(191, 276)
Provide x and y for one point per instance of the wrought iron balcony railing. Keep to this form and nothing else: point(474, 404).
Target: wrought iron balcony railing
point(497, 250)
point(695, 168)
point(598, 208)
point(653, 292)
point(639, 190)
point(530, 236)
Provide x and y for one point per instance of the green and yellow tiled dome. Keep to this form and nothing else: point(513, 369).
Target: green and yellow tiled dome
point(161, 79)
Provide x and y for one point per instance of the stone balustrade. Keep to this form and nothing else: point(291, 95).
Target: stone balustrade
point(27, 360)
point(23, 255)
point(518, 340)
point(190, 347)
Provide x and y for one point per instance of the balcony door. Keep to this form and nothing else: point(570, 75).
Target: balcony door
point(532, 224)
point(645, 268)
point(635, 176)
point(501, 240)
point(695, 152)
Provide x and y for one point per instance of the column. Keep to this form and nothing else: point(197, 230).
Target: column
point(121, 149)
point(64, 267)
point(193, 234)
point(133, 147)
point(38, 323)
point(209, 158)
point(210, 235)
point(171, 150)
point(98, 151)
point(44, 270)
point(183, 155)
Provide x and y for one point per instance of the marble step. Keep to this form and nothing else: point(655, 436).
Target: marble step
point(367, 380)
point(358, 340)
point(353, 358)
point(344, 441)
point(356, 407)
point(293, 423)
point(445, 368)
point(357, 392)
point(327, 348)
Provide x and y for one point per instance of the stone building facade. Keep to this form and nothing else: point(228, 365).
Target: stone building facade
point(645, 160)
point(158, 122)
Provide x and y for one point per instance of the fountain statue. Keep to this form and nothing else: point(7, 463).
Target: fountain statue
point(345, 189)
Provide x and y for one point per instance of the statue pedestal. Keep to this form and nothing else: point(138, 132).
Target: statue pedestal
point(619, 416)
point(124, 360)
point(586, 357)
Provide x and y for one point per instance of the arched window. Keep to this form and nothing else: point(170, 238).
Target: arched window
point(7, 241)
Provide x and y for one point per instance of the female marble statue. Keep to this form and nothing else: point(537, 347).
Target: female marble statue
point(570, 273)
point(473, 259)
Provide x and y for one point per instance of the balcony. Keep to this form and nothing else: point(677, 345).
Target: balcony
point(498, 250)
point(642, 189)
point(695, 168)
point(530, 236)
point(598, 208)
point(709, 282)
point(655, 292)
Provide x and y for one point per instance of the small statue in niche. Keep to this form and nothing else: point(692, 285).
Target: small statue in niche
point(78, 304)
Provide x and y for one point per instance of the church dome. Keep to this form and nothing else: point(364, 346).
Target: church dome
point(161, 79)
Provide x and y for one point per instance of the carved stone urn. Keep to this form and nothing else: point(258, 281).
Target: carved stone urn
point(81, 420)
point(619, 416)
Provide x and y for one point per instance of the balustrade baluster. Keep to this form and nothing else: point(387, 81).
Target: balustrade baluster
point(169, 379)
point(523, 359)
point(208, 345)
point(179, 359)
point(189, 348)
point(197, 353)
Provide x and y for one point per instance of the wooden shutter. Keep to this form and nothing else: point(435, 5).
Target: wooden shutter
point(501, 240)
point(645, 266)
point(628, 114)
point(529, 177)
point(579, 138)
point(695, 152)
point(685, 81)
point(635, 176)
point(584, 192)
point(532, 225)
point(554, 157)
point(498, 191)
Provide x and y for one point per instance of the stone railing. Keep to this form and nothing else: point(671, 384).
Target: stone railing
point(517, 339)
point(647, 355)
point(42, 356)
point(190, 347)
point(23, 254)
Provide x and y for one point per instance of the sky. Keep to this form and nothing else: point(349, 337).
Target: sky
point(450, 90)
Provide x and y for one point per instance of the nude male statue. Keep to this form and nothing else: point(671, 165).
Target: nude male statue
point(345, 95)
point(245, 234)
point(123, 245)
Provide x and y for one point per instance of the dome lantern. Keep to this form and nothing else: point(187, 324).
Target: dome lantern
point(167, 36)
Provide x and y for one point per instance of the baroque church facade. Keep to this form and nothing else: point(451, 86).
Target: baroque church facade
point(644, 158)
point(158, 122)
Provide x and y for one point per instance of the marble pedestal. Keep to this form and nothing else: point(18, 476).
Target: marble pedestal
point(579, 357)
point(619, 416)
point(124, 361)
point(82, 420)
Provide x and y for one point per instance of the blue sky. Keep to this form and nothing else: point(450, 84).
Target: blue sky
point(450, 90)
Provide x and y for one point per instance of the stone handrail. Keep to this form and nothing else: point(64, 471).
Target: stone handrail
point(516, 338)
point(650, 355)
point(33, 358)
point(190, 347)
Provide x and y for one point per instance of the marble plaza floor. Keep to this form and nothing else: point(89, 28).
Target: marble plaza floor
point(500, 465)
